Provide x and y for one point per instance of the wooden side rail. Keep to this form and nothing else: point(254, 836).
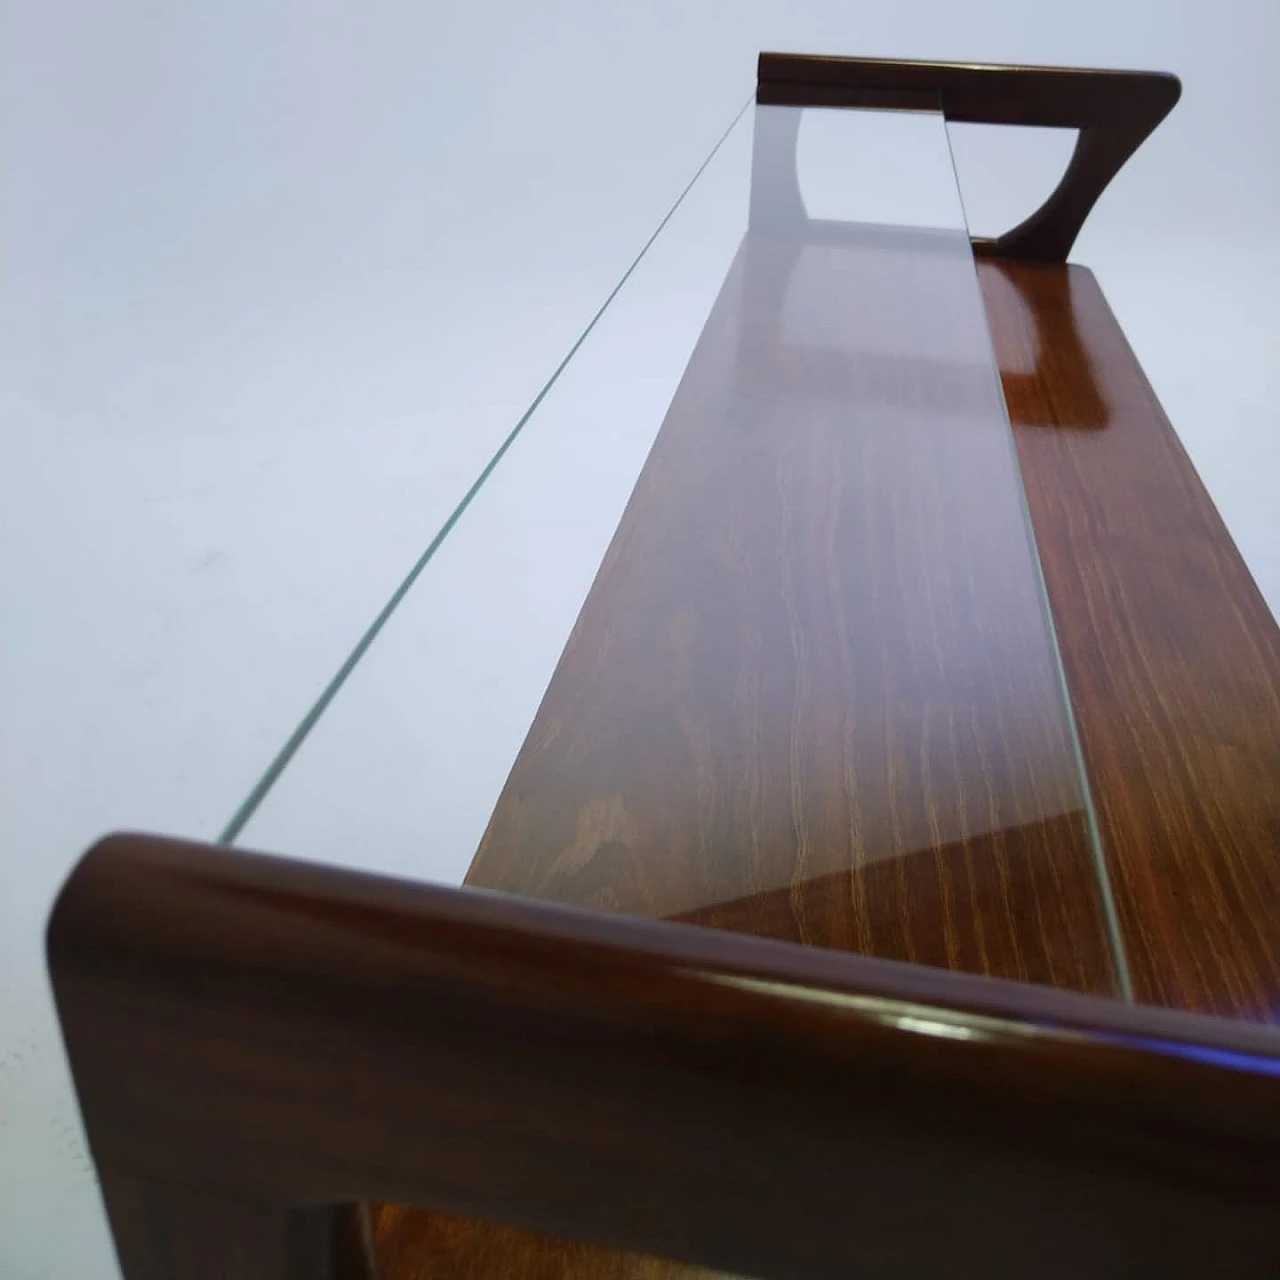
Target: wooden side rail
point(258, 1041)
point(1115, 112)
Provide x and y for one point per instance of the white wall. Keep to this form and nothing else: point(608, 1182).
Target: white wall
point(276, 278)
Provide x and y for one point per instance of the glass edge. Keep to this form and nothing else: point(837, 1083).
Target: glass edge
point(1115, 935)
point(281, 760)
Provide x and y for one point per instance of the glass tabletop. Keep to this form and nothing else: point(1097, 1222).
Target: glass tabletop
point(744, 625)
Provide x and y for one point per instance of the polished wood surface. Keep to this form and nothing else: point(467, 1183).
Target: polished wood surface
point(1115, 112)
point(258, 1044)
point(812, 693)
point(1172, 657)
point(1172, 661)
point(253, 1037)
point(414, 1244)
point(200, 986)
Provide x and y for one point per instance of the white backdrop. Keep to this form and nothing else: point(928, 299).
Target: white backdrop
point(278, 276)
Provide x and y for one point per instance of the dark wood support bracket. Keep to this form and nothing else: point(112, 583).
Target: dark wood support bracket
point(1115, 112)
point(255, 1040)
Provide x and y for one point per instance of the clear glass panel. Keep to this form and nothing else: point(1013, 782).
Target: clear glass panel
point(403, 771)
point(784, 666)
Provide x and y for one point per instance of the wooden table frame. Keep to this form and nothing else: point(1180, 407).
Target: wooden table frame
point(261, 1045)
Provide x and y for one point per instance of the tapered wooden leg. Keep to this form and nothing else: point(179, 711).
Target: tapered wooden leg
point(165, 1232)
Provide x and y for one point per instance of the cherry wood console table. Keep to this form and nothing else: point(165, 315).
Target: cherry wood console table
point(888, 883)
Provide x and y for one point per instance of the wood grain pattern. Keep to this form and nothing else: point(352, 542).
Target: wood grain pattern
point(1172, 661)
point(1172, 656)
point(257, 1042)
point(812, 693)
point(254, 1037)
point(413, 1244)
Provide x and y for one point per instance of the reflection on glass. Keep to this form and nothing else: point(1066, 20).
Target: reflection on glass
point(813, 692)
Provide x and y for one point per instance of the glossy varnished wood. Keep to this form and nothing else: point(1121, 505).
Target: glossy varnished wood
point(1172, 661)
point(812, 693)
point(1114, 111)
point(1172, 657)
point(415, 1244)
point(251, 1037)
point(257, 1044)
